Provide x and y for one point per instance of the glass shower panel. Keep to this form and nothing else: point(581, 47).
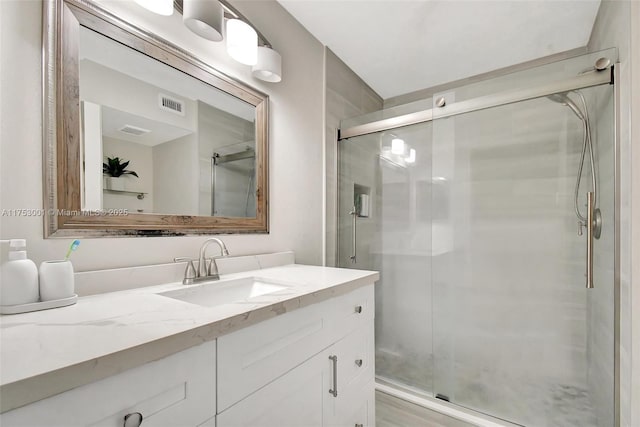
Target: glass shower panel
point(233, 187)
point(384, 192)
point(516, 334)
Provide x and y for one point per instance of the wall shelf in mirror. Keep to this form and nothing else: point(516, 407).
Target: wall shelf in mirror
point(139, 195)
point(104, 77)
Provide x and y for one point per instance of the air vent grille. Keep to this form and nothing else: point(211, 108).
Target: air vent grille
point(171, 104)
point(133, 130)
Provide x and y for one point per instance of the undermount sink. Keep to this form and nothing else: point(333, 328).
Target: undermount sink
point(216, 293)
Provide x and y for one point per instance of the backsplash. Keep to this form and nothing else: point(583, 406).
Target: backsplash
point(120, 279)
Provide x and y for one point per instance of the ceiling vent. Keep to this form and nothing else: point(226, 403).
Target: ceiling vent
point(133, 130)
point(171, 104)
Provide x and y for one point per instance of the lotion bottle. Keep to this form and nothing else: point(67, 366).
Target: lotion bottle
point(19, 276)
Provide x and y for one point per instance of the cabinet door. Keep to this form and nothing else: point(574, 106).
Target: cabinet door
point(253, 357)
point(178, 390)
point(354, 374)
point(357, 409)
point(293, 400)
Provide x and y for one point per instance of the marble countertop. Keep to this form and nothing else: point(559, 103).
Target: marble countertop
point(47, 352)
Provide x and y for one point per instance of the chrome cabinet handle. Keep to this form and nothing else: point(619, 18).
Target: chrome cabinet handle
point(334, 390)
point(359, 425)
point(358, 309)
point(359, 363)
point(354, 216)
point(133, 419)
point(590, 235)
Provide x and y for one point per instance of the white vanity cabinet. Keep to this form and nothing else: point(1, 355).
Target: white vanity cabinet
point(178, 390)
point(311, 367)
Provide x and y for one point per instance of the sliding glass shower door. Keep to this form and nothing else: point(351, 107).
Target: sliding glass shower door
point(516, 333)
point(472, 221)
point(384, 224)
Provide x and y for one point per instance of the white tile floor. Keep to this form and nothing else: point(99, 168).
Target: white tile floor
point(530, 401)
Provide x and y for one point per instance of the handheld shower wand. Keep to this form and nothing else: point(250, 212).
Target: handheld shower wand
point(592, 221)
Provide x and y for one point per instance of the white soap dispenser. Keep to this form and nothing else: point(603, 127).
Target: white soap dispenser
point(19, 276)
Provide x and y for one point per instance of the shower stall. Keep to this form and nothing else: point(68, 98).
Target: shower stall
point(490, 212)
point(233, 181)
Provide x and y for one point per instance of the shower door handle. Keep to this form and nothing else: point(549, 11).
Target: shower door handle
point(590, 235)
point(354, 216)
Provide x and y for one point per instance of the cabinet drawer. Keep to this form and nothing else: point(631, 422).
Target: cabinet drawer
point(250, 358)
point(176, 390)
point(355, 357)
point(350, 312)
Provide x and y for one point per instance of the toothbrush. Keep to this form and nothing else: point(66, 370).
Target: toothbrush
point(73, 247)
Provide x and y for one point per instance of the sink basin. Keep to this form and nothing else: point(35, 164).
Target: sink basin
point(216, 293)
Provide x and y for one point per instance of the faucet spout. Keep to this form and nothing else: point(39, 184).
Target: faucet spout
point(202, 267)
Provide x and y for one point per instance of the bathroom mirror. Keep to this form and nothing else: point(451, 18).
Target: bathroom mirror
point(142, 138)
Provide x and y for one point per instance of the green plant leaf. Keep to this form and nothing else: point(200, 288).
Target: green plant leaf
point(115, 169)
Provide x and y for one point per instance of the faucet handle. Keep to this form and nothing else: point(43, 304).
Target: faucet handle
point(189, 272)
point(212, 268)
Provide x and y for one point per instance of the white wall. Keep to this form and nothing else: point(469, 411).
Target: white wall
point(347, 96)
point(175, 176)
point(103, 86)
point(140, 158)
point(296, 137)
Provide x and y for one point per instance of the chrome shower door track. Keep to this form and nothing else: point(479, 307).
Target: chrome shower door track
point(593, 78)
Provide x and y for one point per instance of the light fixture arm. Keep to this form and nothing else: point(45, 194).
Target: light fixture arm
point(231, 12)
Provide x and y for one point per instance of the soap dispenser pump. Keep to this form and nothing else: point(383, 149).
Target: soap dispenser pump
point(19, 275)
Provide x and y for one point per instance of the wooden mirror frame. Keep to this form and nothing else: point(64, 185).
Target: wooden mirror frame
point(63, 136)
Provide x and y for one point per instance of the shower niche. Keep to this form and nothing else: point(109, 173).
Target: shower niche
point(362, 200)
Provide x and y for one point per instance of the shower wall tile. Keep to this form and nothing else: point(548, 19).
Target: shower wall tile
point(346, 95)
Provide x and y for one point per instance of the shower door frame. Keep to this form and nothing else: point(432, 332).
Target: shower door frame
point(217, 160)
point(611, 76)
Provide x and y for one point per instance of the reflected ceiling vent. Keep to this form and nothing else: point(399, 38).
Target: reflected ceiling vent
point(171, 104)
point(133, 130)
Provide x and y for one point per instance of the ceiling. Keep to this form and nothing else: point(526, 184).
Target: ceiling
point(120, 58)
point(157, 132)
point(399, 47)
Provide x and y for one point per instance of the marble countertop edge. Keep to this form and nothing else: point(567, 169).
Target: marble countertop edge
point(209, 323)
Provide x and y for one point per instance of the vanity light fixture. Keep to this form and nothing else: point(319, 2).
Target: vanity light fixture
point(245, 44)
point(205, 18)
point(161, 7)
point(242, 42)
point(269, 65)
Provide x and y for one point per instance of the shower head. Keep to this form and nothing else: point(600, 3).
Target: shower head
point(563, 98)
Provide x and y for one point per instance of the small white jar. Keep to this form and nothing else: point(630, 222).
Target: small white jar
point(56, 280)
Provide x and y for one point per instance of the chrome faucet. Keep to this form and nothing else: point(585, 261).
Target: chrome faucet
point(203, 273)
point(210, 273)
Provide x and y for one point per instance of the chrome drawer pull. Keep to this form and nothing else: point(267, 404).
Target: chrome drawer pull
point(133, 419)
point(359, 425)
point(358, 309)
point(359, 362)
point(334, 390)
